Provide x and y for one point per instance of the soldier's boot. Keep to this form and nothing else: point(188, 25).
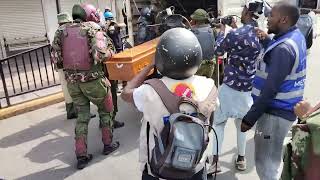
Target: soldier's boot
point(117, 124)
point(72, 112)
point(81, 152)
point(83, 161)
point(109, 146)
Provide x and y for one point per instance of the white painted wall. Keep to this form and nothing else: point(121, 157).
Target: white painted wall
point(50, 13)
point(50, 17)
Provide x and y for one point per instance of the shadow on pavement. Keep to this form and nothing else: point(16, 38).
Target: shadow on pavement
point(37, 131)
point(53, 173)
point(62, 147)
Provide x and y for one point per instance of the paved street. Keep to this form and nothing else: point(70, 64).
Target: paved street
point(39, 145)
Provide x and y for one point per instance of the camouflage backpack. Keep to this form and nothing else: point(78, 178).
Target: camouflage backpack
point(302, 154)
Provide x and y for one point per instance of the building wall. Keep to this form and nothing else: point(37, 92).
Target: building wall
point(50, 16)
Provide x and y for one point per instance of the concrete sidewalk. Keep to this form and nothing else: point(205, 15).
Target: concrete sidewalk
point(39, 145)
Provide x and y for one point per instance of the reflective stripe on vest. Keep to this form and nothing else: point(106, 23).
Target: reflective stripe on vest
point(292, 88)
point(293, 75)
point(282, 96)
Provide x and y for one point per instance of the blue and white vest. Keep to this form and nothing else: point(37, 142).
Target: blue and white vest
point(292, 88)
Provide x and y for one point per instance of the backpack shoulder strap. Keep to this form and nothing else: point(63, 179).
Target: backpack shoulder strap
point(170, 100)
point(207, 106)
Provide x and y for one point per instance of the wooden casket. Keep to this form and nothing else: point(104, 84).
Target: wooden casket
point(128, 63)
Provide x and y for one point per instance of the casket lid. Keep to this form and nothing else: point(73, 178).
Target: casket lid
point(136, 52)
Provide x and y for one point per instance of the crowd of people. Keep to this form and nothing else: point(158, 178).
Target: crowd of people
point(263, 86)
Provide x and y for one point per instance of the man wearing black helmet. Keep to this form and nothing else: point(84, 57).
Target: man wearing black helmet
point(146, 32)
point(178, 56)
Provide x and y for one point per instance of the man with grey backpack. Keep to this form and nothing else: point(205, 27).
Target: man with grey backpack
point(176, 110)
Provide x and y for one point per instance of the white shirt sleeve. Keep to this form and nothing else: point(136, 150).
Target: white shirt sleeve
point(138, 97)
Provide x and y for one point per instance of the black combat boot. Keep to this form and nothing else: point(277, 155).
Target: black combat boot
point(109, 146)
point(108, 149)
point(83, 161)
point(117, 124)
point(71, 111)
point(81, 152)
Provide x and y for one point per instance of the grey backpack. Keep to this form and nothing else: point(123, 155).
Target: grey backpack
point(180, 145)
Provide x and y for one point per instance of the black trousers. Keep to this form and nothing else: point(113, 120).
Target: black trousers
point(114, 86)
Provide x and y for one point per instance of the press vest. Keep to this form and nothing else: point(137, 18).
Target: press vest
point(292, 88)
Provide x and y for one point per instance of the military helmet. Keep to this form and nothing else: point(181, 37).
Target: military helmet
point(92, 13)
point(108, 15)
point(85, 12)
point(178, 54)
point(200, 15)
point(64, 18)
point(147, 13)
point(78, 12)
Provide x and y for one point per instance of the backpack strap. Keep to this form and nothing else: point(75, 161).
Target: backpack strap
point(207, 106)
point(170, 100)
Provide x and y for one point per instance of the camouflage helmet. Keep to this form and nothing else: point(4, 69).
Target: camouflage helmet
point(64, 18)
point(78, 12)
point(200, 15)
point(85, 12)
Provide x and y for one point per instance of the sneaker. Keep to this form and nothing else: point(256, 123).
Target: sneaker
point(241, 164)
point(107, 149)
point(83, 161)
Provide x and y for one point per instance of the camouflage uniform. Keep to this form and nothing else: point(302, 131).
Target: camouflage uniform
point(113, 31)
point(64, 18)
point(302, 154)
point(87, 86)
point(206, 38)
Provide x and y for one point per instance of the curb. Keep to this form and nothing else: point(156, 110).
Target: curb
point(31, 105)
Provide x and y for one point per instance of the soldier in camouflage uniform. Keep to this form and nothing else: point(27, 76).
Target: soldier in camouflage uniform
point(113, 31)
point(302, 154)
point(64, 18)
point(205, 35)
point(82, 48)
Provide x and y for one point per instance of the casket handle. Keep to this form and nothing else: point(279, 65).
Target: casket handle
point(119, 66)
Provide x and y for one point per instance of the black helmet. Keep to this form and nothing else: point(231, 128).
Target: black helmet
point(148, 13)
point(178, 54)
